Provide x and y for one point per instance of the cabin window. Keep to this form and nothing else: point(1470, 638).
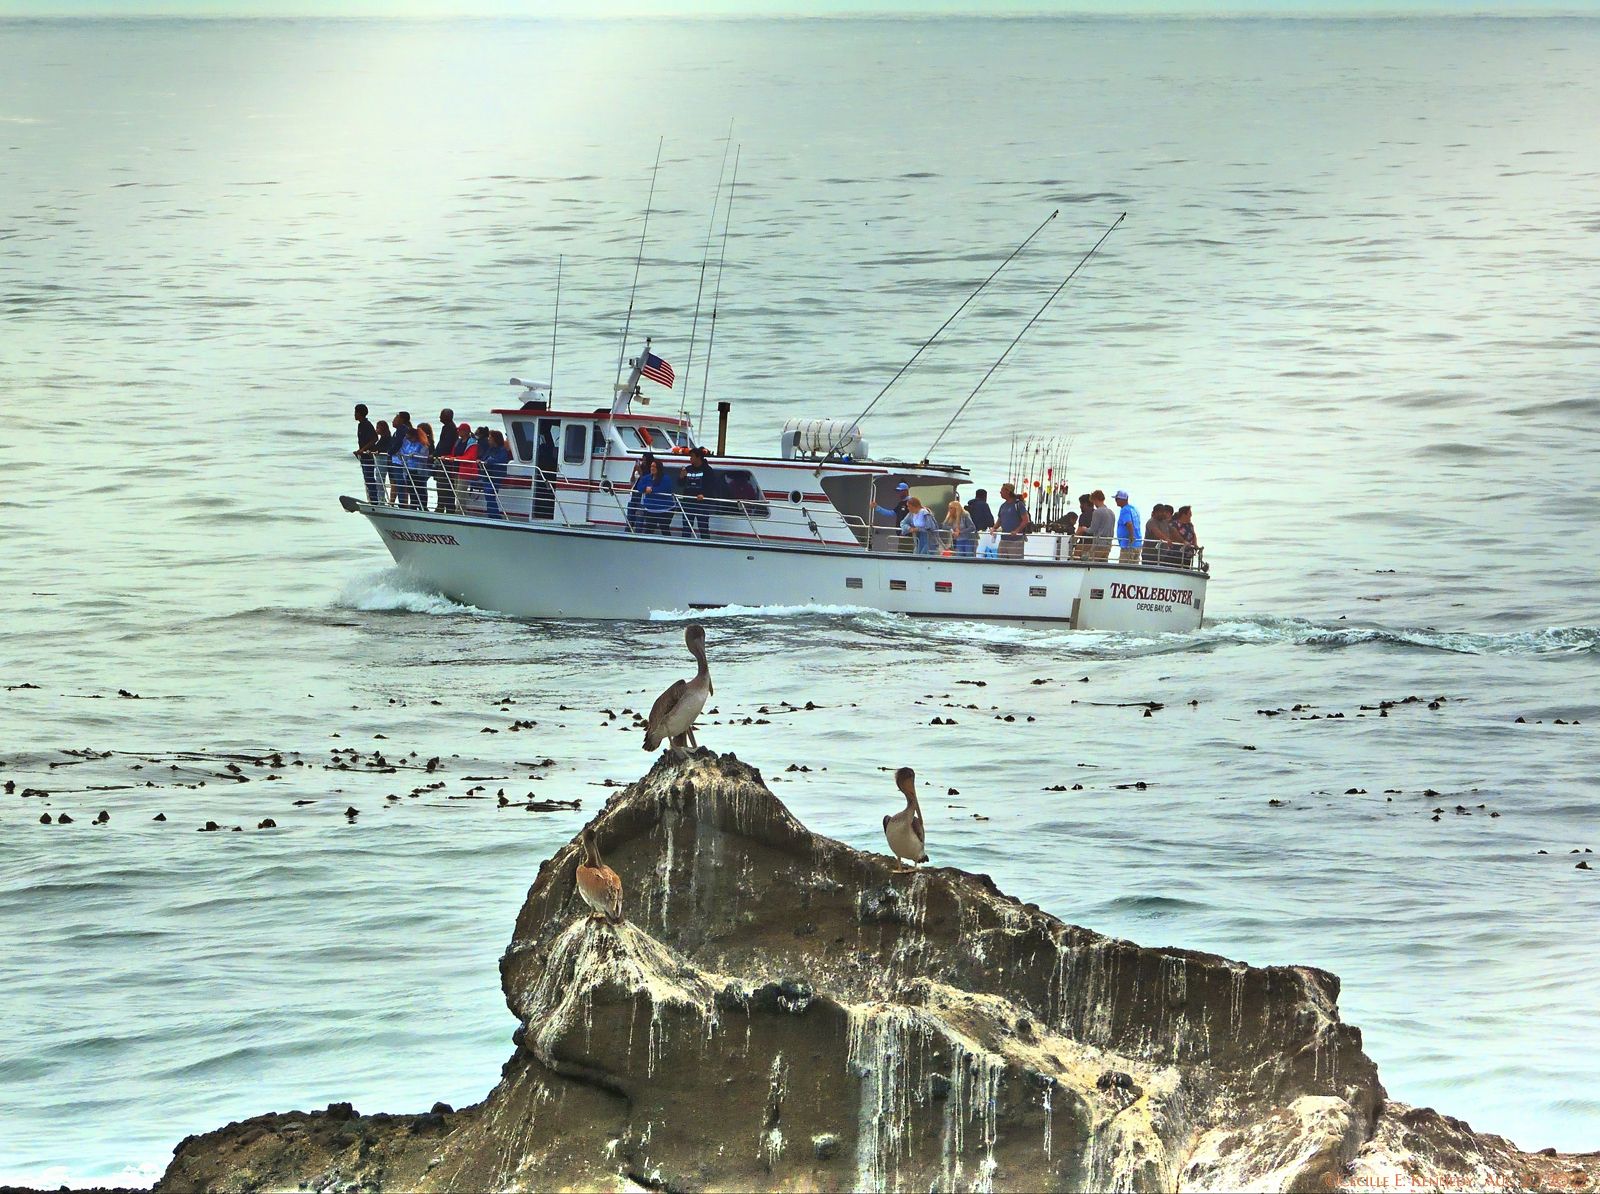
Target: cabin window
point(522, 432)
point(991, 590)
point(1035, 590)
point(899, 586)
point(598, 445)
point(639, 437)
point(740, 485)
point(572, 449)
point(941, 586)
point(853, 582)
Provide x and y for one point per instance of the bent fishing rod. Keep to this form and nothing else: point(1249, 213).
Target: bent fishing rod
point(868, 410)
point(1114, 225)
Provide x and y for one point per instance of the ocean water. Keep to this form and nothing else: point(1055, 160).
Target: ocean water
point(1350, 318)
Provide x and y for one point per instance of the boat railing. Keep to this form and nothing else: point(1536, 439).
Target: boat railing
point(466, 487)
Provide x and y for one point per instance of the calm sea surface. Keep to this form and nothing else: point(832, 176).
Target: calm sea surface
point(1351, 317)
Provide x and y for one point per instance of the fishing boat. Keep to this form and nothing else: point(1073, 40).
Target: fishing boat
point(558, 534)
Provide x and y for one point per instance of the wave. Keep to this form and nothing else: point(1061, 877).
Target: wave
point(139, 1176)
point(1548, 640)
point(392, 591)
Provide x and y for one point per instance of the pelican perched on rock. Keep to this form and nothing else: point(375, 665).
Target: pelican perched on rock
point(597, 883)
point(672, 716)
point(904, 829)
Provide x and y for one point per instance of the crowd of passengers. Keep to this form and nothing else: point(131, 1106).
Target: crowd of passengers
point(1167, 537)
point(399, 459)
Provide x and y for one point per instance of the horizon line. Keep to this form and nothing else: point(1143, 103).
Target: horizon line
point(1266, 11)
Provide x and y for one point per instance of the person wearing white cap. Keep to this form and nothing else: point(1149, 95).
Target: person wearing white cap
point(1130, 540)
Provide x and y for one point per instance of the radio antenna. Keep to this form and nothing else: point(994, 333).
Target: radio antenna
point(705, 258)
point(1114, 225)
point(716, 294)
point(868, 409)
point(555, 323)
point(623, 350)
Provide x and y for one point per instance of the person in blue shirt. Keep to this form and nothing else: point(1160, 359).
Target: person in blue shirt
point(1013, 521)
point(493, 460)
point(920, 524)
point(654, 490)
point(1130, 539)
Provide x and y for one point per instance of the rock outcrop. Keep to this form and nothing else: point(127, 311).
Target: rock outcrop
point(780, 1011)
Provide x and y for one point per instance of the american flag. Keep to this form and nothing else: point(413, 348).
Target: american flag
point(656, 369)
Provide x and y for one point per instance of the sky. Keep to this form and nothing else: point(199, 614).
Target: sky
point(718, 8)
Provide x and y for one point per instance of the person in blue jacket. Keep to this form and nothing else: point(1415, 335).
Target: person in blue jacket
point(1130, 537)
point(920, 524)
point(654, 490)
point(493, 460)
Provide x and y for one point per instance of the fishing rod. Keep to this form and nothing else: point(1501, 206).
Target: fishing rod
point(1114, 225)
point(622, 351)
point(901, 372)
point(705, 257)
point(716, 294)
point(555, 323)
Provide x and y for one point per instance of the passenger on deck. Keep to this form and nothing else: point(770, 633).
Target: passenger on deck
point(1183, 535)
point(1130, 540)
point(493, 460)
point(366, 448)
point(902, 501)
point(1083, 534)
point(446, 449)
point(978, 508)
point(1013, 522)
point(656, 500)
point(885, 523)
point(641, 468)
point(398, 476)
point(414, 462)
point(962, 529)
point(464, 469)
point(382, 450)
point(544, 472)
point(1102, 527)
point(1158, 535)
point(696, 492)
point(919, 524)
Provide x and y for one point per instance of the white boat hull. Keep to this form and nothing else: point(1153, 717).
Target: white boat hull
point(545, 570)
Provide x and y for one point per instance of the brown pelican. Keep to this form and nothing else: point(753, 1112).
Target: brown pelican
point(904, 830)
point(672, 716)
point(597, 883)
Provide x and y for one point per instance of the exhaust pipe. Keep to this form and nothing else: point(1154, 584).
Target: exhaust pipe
point(722, 427)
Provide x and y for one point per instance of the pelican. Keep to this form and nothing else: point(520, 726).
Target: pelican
point(672, 716)
point(597, 883)
point(904, 830)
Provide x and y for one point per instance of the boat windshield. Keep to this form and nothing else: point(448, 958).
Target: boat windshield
point(650, 438)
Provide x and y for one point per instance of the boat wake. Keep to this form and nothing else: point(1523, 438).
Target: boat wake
point(393, 591)
point(1548, 640)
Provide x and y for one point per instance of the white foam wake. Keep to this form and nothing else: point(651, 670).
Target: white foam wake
point(394, 591)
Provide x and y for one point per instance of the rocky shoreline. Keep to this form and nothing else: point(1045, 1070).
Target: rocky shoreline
point(781, 1011)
